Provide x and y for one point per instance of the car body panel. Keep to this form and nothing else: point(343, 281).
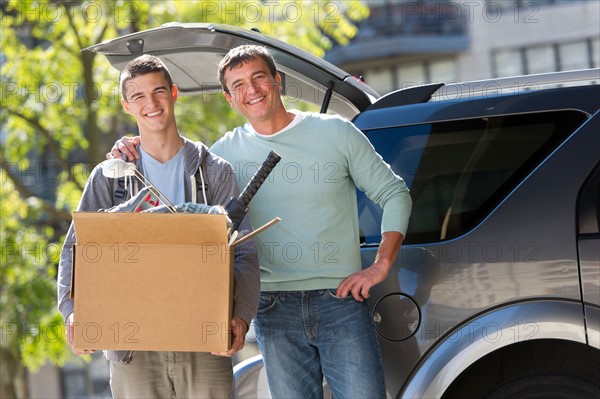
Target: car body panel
point(463, 346)
point(582, 99)
point(251, 380)
point(592, 320)
point(588, 240)
point(516, 254)
point(589, 255)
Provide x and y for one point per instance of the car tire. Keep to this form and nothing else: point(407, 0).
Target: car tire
point(546, 386)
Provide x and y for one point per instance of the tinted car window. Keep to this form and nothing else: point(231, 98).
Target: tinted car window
point(458, 171)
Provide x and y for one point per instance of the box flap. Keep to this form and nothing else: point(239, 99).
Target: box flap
point(149, 228)
point(256, 231)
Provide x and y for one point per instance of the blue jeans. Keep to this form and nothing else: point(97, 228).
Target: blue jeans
point(305, 335)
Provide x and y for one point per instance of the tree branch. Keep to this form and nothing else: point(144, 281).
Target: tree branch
point(72, 25)
point(24, 191)
point(102, 32)
point(67, 48)
point(52, 144)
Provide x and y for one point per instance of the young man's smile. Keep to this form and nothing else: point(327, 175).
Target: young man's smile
point(153, 114)
point(150, 100)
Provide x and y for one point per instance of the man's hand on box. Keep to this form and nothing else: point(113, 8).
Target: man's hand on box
point(124, 149)
point(239, 328)
point(70, 327)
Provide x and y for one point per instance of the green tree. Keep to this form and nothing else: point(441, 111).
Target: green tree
point(60, 112)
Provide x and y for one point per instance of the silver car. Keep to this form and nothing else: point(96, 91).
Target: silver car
point(496, 292)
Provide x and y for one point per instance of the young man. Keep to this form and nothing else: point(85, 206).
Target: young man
point(312, 319)
point(171, 162)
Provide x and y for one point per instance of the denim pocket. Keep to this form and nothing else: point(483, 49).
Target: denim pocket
point(267, 302)
point(332, 295)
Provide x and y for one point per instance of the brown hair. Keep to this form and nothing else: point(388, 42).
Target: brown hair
point(242, 54)
point(142, 65)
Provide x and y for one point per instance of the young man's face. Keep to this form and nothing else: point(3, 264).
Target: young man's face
point(150, 100)
point(253, 91)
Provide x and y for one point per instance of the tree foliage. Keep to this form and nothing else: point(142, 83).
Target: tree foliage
point(60, 113)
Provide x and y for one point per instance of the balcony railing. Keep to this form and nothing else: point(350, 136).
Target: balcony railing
point(396, 28)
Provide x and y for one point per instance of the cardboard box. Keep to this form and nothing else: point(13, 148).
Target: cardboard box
point(144, 281)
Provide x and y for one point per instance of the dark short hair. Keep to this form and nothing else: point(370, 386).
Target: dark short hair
point(143, 65)
point(242, 54)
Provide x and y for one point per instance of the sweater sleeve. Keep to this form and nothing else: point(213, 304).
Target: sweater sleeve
point(223, 187)
point(373, 176)
point(96, 195)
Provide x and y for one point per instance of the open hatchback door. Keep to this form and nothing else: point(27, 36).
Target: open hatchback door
point(192, 52)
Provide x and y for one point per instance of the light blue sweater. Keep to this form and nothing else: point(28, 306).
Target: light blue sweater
point(313, 190)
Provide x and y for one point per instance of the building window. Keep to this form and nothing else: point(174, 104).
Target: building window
point(573, 56)
point(508, 63)
point(595, 52)
point(381, 80)
point(581, 54)
point(540, 59)
point(410, 75)
point(443, 71)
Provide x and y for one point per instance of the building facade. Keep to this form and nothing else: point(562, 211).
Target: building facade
point(407, 43)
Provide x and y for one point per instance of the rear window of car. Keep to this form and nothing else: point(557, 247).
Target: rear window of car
point(458, 171)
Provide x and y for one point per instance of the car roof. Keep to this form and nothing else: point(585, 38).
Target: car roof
point(192, 52)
